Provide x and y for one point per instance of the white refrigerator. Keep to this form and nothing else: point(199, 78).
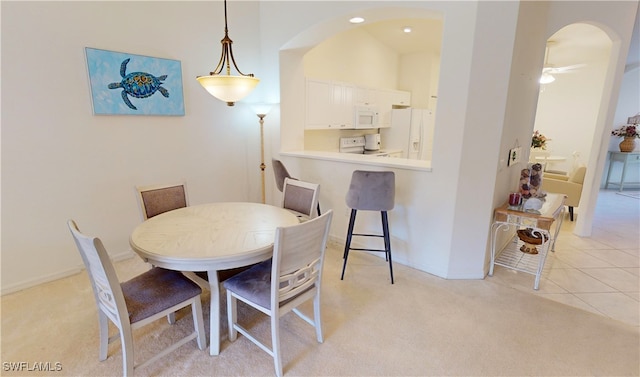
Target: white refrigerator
point(411, 131)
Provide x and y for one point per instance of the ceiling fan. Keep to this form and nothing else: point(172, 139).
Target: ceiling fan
point(549, 69)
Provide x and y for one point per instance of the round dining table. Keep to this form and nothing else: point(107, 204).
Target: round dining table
point(211, 237)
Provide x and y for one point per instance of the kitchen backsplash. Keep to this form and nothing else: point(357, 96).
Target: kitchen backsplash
point(329, 140)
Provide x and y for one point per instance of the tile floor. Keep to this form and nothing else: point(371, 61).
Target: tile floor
point(601, 273)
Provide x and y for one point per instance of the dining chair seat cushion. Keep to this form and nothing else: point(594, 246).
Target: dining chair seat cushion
point(371, 191)
point(255, 284)
point(156, 290)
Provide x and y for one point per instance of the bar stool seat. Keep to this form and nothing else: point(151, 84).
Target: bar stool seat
point(370, 191)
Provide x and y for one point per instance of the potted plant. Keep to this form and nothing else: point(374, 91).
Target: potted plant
point(538, 140)
point(629, 132)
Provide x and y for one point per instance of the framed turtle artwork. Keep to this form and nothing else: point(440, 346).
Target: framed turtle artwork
point(128, 84)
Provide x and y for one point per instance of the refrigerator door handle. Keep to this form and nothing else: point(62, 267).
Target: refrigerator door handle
point(420, 141)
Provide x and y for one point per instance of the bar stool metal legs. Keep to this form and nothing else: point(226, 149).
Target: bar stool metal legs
point(385, 235)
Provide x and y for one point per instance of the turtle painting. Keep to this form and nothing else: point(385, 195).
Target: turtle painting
point(138, 84)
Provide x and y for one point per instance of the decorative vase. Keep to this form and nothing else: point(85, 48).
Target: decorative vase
point(628, 144)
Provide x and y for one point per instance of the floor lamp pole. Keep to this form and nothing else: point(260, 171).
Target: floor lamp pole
point(262, 165)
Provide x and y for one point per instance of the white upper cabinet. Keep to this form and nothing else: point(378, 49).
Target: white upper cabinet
point(386, 99)
point(401, 98)
point(329, 105)
point(365, 96)
point(318, 104)
point(343, 105)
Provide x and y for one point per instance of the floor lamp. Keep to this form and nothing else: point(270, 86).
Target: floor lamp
point(262, 111)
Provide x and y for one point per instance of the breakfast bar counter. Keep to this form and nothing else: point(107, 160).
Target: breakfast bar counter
point(364, 159)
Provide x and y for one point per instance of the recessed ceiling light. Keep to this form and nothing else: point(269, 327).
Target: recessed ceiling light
point(407, 29)
point(356, 20)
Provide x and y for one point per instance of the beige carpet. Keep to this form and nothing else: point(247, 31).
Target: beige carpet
point(422, 325)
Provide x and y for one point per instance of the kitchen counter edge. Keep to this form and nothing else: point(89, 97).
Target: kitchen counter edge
point(393, 162)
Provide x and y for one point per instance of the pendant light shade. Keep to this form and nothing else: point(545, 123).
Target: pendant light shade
point(226, 87)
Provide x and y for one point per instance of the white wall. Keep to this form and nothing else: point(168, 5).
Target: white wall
point(353, 56)
point(59, 161)
point(419, 73)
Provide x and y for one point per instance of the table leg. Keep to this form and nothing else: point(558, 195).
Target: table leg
point(606, 184)
point(624, 172)
point(494, 234)
point(214, 314)
point(545, 246)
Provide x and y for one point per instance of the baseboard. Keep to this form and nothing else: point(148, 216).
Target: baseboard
point(340, 242)
point(12, 288)
point(39, 280)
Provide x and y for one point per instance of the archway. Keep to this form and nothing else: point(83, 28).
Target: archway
point(569, 108)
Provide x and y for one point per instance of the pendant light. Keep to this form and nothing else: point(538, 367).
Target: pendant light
point(226, 87)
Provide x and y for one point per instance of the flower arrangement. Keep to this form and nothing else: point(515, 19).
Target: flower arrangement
point(628, 130)
point(538, 140)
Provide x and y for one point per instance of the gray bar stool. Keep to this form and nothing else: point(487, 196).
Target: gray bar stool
point(370, 191)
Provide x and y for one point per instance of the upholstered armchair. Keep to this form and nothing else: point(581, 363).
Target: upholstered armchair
point(570, 185)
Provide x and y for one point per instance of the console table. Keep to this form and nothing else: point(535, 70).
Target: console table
point(507, 217)
point(625, 158)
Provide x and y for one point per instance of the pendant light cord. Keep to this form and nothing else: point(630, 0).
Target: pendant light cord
point(227, 52)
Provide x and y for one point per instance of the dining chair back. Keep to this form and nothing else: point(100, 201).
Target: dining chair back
point(282, 283)
point(157, 199)
point(301, 198)
point(280, 173)
point(137, 302)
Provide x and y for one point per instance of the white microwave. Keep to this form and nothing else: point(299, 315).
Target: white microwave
point(366, 117)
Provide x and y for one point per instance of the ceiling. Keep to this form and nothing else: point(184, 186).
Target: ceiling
point(426, 34)
point(573, 44)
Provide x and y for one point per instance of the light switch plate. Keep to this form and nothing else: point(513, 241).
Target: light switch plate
point(515, 156)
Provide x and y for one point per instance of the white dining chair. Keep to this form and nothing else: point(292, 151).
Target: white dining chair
point(282, 283)
point(137, 302)
point(300, 198)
